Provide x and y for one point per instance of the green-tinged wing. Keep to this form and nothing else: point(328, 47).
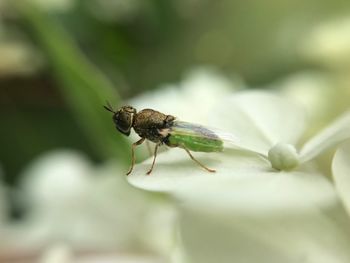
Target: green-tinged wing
point(194, 137)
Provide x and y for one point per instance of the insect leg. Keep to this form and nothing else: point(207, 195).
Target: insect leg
point(154, 158)
point(194, 159)
point(133, 154)
point(149, 148)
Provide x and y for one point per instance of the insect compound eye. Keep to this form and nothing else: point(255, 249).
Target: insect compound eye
point(123, 121)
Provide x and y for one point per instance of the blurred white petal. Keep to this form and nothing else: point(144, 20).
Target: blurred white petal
point(319, 234)
point(17, 57)
point(119, 258)
point(329, 43)
point(331, 136)
point(70, 200)
point(58, 178)
point(259, 119)
point(324, 96)
point(341, 173)
point(192, 99)
point(59, 253)
point(313, 90)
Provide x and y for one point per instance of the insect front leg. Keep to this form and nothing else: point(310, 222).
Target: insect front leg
point(154, 158)
point(199, 163)
point(133, 154)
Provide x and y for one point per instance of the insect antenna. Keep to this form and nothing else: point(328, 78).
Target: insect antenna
point(109, 107)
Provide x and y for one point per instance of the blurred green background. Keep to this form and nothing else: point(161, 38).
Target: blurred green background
point(60, 60)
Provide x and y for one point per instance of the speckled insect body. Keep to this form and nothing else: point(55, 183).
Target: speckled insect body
point(148, 124)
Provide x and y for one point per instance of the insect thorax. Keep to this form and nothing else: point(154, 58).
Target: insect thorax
point(148, 123)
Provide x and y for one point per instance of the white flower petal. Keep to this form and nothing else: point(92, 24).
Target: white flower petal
point(334, 134)
point(245, 211)
point(192, 99)
point(321, 95)
point(56, 178)
point(175, 172)
point(70, 199)
point(58, 253)
point(243, 181)
point(341, 173)
point(317, 235)
point(259, 119)
point(329, 43)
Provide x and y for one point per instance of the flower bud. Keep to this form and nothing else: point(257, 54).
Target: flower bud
point(283, 157)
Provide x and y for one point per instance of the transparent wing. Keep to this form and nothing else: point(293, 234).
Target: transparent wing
point(195, 130)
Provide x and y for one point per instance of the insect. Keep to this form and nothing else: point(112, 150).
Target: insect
point(165, 129)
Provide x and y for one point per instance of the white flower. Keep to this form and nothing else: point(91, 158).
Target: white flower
point(341, 174)
point(247, 211)
point(17, 57)
point(70, 201)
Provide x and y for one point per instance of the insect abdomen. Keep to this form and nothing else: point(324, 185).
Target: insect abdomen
point(195, 143)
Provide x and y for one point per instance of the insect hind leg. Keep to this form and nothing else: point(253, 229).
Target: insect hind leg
point(198, 162)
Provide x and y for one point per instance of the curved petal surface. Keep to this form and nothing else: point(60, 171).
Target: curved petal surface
point(259, 119)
